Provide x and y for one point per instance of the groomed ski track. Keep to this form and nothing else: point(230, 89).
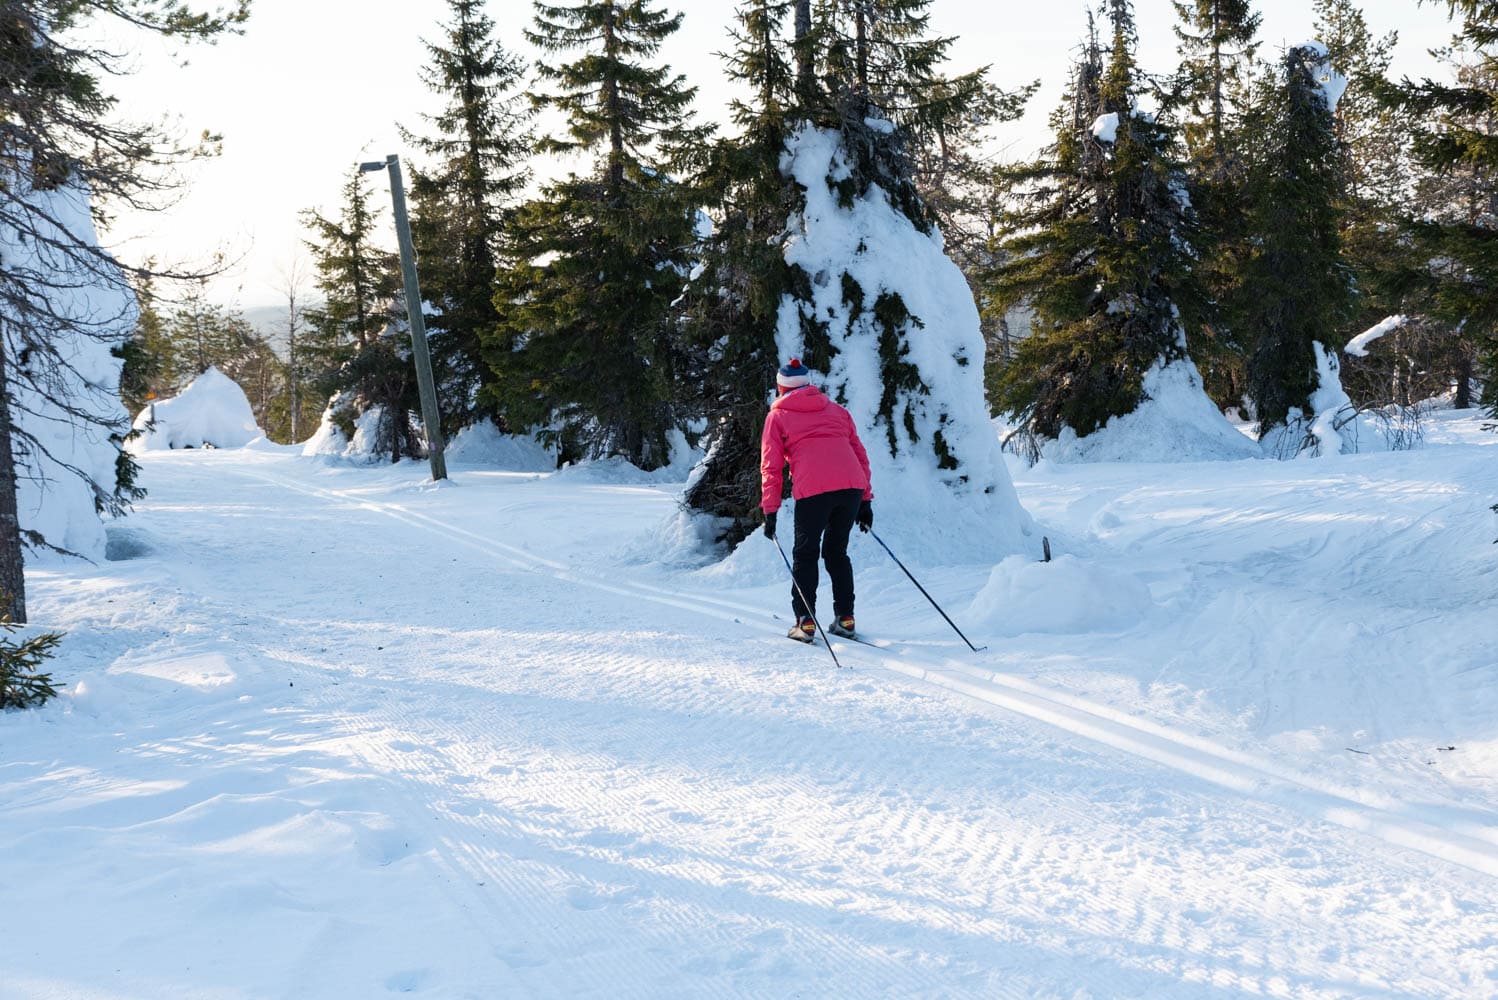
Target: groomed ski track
point(448, 759)
point(1195, 757)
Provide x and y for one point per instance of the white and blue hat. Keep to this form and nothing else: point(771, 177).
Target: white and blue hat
point(793, 375)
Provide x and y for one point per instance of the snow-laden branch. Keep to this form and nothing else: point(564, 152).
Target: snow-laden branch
point(1358, 346)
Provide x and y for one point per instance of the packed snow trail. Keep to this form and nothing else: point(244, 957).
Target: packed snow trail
point(341, 735)
point(1398, 823)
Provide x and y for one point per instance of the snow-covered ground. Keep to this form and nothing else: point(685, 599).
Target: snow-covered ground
point(331, 732)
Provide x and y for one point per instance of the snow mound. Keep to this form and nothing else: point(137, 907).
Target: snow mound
point(485, 444)
point(961, 509)
point(1175, 422)
point(329, 440)
point(211, 412)
point(1066, 595)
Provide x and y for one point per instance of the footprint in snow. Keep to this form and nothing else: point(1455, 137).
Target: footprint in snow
point(410, 981)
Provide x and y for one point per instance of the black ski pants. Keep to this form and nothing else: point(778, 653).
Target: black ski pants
point(824, 521)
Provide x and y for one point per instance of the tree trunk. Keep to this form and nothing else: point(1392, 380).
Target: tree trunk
point(1463, 381)
point(12, 558)
point(805, 59)
point(613, 109)
point(861, 19)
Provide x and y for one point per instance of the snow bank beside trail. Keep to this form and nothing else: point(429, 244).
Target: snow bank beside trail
point(329, 440)
point(485, 444)
point(1176, 422)
point(1066, 595)
point(968, 510)
point(212, 411)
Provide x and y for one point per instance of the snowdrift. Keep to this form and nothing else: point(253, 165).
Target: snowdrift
point(1176, 422)
point(1067, 595)
point(212, 412)
point(486, 445)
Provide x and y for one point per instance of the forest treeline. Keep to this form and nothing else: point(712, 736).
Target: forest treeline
point(1236, 210)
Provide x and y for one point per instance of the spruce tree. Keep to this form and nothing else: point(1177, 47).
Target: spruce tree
point(872, 300)
point(1211, 92)
point(147, 355)
point(1456, 143)
point(1378, 181)
point(731, 304)
point(1100, 247)
point(1299, 285)
point(22, 683)
point(583, 351)
point(477, 147)
point(202, 334)
point(353, 341)
point(901, 126)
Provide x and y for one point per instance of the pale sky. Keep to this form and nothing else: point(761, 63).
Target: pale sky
point(315, 85)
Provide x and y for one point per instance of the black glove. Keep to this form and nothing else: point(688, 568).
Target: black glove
point(770, 525)
point(865, 516)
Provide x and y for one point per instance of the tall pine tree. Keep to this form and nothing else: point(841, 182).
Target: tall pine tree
point(731, 304)
point(583, 350)
point(1217, 40)
point(477, 148)
point(1300, 287)
point(359, 353)
point(1100, 249)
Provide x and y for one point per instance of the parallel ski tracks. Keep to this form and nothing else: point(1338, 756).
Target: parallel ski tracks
point(1396, 823)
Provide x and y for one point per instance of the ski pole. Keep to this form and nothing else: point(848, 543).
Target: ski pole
point(805, 603)
point(923, 591)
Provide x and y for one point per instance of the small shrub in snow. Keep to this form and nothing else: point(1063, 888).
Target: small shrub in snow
point(22, 685)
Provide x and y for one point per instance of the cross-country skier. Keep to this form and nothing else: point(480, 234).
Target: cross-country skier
point(830, 483)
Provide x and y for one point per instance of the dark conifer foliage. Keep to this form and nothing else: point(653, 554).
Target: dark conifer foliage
point(731, 304)
point(147, 354)
point(360, 354)
point(1101, 251)
point(584, 350)
point(476, 151)
point(1455, 233)
point(1209, 97)
point(1298, 286)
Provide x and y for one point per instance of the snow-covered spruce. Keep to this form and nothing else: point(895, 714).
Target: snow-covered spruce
point(212, 412)
point(889, 298)
point(67, 463)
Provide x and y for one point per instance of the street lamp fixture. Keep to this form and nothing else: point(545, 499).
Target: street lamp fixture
point(431, 419)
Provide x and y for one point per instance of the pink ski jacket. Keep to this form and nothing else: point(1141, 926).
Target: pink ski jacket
point(818, 438)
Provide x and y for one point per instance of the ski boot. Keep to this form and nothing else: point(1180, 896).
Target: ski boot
point(842, 625)
point(803, 631)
